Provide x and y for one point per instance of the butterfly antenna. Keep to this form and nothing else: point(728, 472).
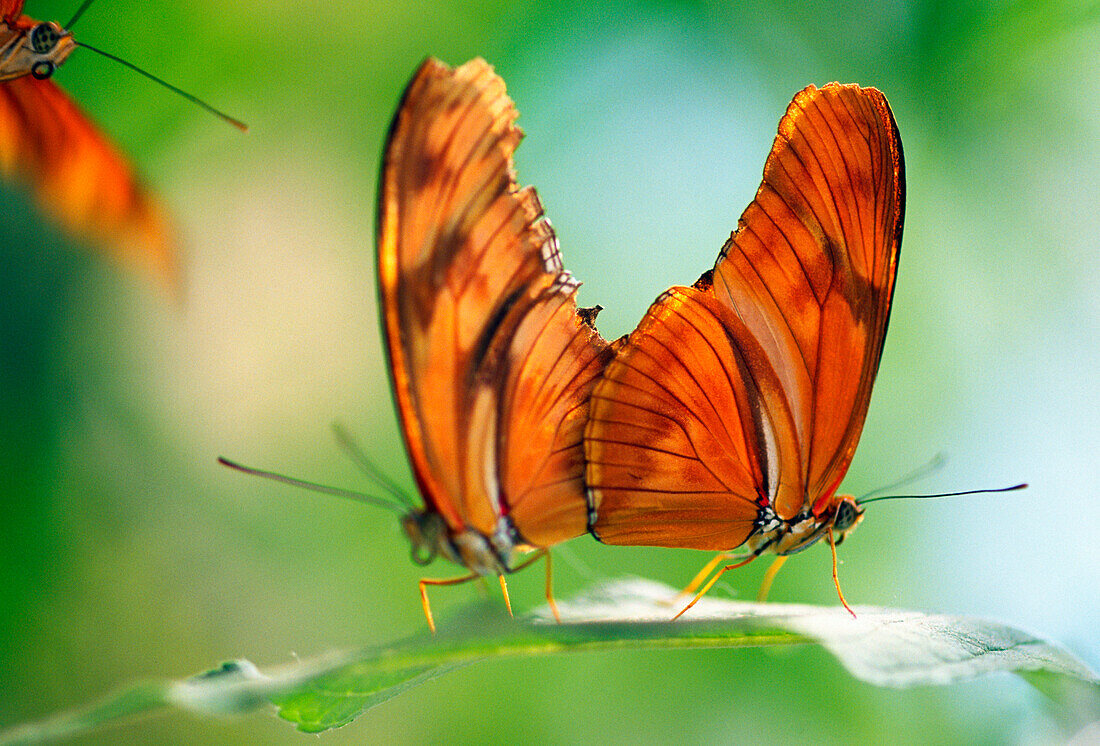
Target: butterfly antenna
point(79, 12)
point(942, 494)
point(934, 464)
point(323, 489)
point(193, 99)
point(368, 467)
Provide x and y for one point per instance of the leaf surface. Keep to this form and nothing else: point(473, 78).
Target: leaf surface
point(884, 647)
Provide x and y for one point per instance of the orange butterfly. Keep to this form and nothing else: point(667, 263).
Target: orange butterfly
point(730, 415)
point(50, 146)
point(492, 363)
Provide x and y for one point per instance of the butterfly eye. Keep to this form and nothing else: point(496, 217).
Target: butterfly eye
point(847, 515)
point(44, 38)
point(423, 533)
point(42, 70)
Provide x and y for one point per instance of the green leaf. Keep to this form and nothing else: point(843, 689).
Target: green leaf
point(884, 647)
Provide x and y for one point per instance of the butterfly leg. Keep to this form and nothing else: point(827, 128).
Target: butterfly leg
point(836, 578)
point(425, 582)
point(712, 581)
point(699, 578)
point(769, 576)
point(504, 584)
point(549, 580)
point(507, 598)
point(550, 588)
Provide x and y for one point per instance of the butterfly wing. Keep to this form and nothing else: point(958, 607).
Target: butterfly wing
point(51, 147)
point(10, 10)
point(811, 268)
point(679, 427)
point(492, 364)
point(751, 388)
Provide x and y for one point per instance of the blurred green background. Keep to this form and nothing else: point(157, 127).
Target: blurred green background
point(126, 552)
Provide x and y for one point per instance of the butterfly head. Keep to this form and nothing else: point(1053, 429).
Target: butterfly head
point(44, 48)
point(846, 517)
point(838, 515)
point(427, 531)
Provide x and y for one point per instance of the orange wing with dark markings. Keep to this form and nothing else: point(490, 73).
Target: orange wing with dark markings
point(812, 267)
point(677, 429)
point(492, 364)
point(750, 389)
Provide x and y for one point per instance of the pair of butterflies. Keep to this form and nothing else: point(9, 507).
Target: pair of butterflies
point(726, 419)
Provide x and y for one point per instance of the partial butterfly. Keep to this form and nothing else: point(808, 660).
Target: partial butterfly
point(729, 417)
point(51, 147)
point(491, 361)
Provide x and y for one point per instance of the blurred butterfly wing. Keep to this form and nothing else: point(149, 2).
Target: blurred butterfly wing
point(491, 363)
point(683, 428)
point(10, 10)
point(51, 147)
point(810, 270)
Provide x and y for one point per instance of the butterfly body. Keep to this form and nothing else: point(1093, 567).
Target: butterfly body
point(783, 537)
